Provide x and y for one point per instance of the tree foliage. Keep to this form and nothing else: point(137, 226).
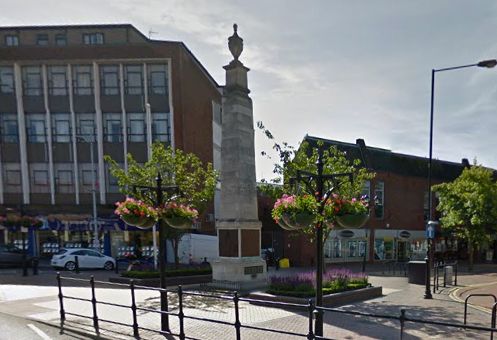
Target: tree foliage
point(196, 183)
point(469, 205)
point(293, 160)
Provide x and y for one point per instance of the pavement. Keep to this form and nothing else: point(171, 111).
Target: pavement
point(35, 298)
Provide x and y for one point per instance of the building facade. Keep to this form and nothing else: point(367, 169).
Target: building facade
point(70, 92)
point(396, 228)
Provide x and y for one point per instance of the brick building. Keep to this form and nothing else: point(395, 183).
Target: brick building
point(396, 228)
point(65, 89)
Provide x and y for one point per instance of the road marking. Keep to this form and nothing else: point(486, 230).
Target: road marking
point(39, 332)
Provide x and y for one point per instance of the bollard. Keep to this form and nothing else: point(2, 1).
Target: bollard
point(181, 315)
point(133, 309)
point(61, 302)
point(94, 305)
point(237, 317)
point(76, 262)
point(402, 321)
point(310, 334)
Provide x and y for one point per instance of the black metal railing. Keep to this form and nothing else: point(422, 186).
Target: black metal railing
point(442, 266)
point(309, 309)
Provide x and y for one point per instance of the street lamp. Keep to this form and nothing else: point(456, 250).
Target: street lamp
point(90, 140)
point(484, 63)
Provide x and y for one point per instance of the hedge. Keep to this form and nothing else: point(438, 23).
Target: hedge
point(135, 274)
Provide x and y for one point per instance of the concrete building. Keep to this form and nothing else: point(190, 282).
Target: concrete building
point(64, 87)
point(396, 228)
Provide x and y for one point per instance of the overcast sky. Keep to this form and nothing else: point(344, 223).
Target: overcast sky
point(335, 69)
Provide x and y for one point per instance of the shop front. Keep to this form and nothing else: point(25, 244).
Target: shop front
point(399, 245)
point(345, 246)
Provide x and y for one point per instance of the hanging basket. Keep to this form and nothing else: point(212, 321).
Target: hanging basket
point(332, 224)
point(349, 221)
point(146, 223)
point(285, 226)
point(179, 222)
point(133, 220)
point(299, 220)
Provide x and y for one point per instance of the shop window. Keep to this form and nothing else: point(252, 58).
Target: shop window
point(93, 38)
point(133, 79)
point(42, 39)
point(36, 129)
point(83, 80)
point(337, 248)
point(109, 77)
point(160, 127)
point(57, 80)
point(40, 177)
point(9, 130)
point(60, 39)
point(362, 248)
point(157, 78)
point(61, 128)
point(379, 197)
point(32, 84)
point(11, 40)
point(136, 128)
point(352, 248)
point(6, 79)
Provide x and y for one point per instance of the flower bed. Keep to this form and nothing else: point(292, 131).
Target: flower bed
point(135, 274)
point(304, 284)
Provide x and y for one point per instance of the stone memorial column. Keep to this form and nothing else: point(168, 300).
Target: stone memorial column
point(238, 228)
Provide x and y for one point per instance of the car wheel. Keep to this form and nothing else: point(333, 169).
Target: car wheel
point(108, 265)
point(70, 266)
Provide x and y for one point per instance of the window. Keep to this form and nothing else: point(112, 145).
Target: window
point(9, 130)
point(42, 39)
point(83, 80)
point(36, 129)
point(13, 177)
point(6, 79)
point(112, 127)
point(133, 79)
point(160, 127)
point(31, 76)
point(40, 177)
point(136, 130)
point(60, 40)
point(57, 80)
point(157, 76)
point(61, 128)
point(93, 38)
point(366, 190)
point(64, 177)
point(87, 128)
point(109, 75)
point(87, 177)
point(11, 40)
point(379, 195)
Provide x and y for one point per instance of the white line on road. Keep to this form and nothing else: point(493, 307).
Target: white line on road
point(39, 332)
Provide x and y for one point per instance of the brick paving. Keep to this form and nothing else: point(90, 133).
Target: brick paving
point(41, 303)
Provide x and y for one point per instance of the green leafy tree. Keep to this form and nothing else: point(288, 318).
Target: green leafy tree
point(469, 206)
point(291, 160)
point(196, 183)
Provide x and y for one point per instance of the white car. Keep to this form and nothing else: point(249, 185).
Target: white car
point(87, 258)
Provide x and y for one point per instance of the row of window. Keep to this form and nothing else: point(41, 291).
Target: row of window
point(85, 127)
point(83, 82)
point(60, 39)
point(378, 197)
point(64, 180)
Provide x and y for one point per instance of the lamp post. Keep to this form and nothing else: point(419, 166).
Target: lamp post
point(96, 243)
point(318, 190)
point(484, 63)
point(159, 197)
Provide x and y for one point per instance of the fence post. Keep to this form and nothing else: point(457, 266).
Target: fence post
point(445, 276)
point(455, 278)
point(237, 317)
point(494, 310)
point(133, 309)
point(61, 303)
point(434, 277)
point(94, 304)
point(402, 321)
point(310, 307)
point(181, 315)
point(76, 263)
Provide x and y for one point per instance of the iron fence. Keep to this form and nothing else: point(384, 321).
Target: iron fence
point(309, 308)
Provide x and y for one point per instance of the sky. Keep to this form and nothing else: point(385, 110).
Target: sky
point(339, 70)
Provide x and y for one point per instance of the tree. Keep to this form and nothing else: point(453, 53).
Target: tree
point(469, 206)
point(291, 160)
point(196, 183)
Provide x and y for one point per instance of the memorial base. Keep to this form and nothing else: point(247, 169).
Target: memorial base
point(241, 274)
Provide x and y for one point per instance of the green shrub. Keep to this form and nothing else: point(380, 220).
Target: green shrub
point(135, 274)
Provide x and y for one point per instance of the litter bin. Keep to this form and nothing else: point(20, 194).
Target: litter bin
point(416, 272)
point(449, 270)
point(284, 263)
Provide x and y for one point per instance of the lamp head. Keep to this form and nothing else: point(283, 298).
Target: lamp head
point(487, 63)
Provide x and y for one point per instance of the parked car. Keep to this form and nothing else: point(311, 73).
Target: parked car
point(10, 255)
point(87, 258)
